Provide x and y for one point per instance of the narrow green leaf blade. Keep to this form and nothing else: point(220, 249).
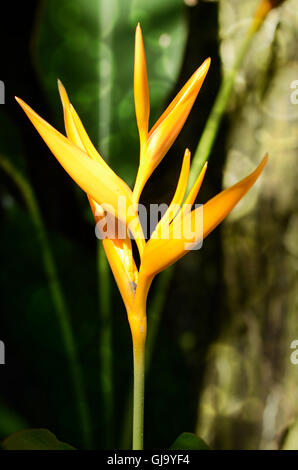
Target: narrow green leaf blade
point(34, 439)
point(189, 441)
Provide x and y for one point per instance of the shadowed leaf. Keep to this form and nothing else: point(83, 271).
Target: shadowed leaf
point(189, 441)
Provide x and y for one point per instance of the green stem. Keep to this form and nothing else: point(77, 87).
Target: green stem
point(155, 312)
point(211, 128)
point(57, 296)
point(138, 398)
point(154, 318)
point(105, 344)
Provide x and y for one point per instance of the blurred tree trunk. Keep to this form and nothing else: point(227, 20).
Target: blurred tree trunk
point(249, 398)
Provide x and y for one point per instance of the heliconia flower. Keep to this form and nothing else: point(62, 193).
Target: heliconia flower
point(103, 187)
point(155, 144)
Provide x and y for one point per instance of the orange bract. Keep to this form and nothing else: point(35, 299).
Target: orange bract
point(155, 144)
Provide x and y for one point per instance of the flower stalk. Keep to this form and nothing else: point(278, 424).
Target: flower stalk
point(138, 395)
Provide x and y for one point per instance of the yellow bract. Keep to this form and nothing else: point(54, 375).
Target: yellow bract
point(141, 90)
point(93, 175)
point(155, 144)
point(160, 253)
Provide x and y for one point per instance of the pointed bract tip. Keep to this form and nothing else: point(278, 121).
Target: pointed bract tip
point(264, 160)
point(187, 152)
point(206, 63)
point(20, 101)
point(63, 93)
point(60, 84)
point(202, 70)
point(24, 105)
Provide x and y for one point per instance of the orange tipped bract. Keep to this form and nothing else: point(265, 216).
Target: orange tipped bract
point(187, 229)
point(155, 144)
point(141, 90)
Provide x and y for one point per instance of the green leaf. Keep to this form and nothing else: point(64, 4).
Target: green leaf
point(34, 439)
point(189, 441)
point(84, 43)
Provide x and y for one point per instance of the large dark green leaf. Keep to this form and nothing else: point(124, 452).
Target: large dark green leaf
point(90, 47)
point(189, 441)
point(34, 439)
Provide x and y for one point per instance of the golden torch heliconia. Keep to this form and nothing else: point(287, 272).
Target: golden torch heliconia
point(103, 187)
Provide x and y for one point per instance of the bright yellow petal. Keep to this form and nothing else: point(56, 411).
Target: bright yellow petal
point(168, 126)
point(191, 197)
point(75, 130)
point(86, 142)
point(141, 90)
point(118, 251)
point(189, 90)
point(217, 208)
point(99, 181)
point(161, 253)
point(177, 200)
point(174, 117)
point(77, 134)
point(115, 254)
point(120, 258)
point(71, 130)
